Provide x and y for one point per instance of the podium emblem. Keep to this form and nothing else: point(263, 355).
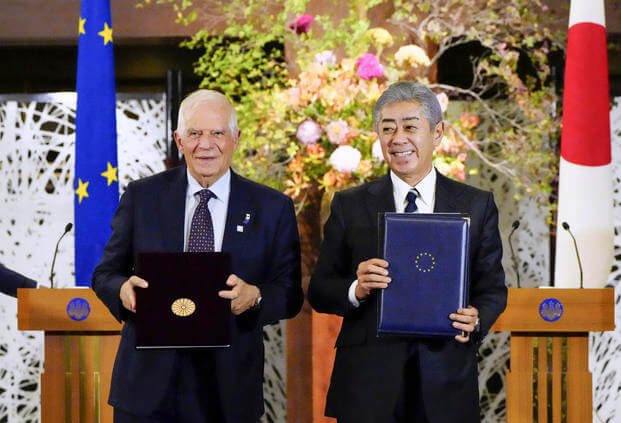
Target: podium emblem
point(78, 309)
point(183, 307)
point(551, 309)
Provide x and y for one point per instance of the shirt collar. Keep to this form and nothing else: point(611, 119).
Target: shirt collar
point(220, 188)
point(426, 187)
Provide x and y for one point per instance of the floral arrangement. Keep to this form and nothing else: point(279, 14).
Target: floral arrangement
point(327, 114)
point(306, 115)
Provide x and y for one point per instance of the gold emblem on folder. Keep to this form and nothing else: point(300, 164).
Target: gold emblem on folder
point(425, 262)
point(183, 307)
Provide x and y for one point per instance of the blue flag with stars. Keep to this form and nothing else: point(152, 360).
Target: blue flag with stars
point(95, 179)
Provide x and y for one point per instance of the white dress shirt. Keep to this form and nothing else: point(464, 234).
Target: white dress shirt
point(425, 201)
point(218, 207)
point(426, 192)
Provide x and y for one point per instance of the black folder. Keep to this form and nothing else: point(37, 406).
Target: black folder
point(181, 307)
point(428, 267)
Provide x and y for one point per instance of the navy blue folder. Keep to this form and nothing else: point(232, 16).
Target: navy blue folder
point(428, 266)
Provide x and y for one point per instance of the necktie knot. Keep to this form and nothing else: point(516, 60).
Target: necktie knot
point(205, 195)
point(411, 199)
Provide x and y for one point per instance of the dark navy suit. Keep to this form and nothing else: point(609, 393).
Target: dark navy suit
point(150, 217)
point(10, 281)
point(368, 374)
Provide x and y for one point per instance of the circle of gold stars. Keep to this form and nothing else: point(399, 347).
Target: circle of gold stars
point(183, 307)
point(425, 262)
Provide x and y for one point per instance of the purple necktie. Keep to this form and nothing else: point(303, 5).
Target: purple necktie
point(411, 206)
point(201, 229)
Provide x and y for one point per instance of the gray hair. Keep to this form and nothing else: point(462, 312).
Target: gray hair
point(413, 92)
point(198, 97)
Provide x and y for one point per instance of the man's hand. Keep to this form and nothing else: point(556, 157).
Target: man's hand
point(372, 274)
point(127, 293)
point(465, 320)
point(243, 295)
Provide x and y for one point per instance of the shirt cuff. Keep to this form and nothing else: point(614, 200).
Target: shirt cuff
point(351, 294)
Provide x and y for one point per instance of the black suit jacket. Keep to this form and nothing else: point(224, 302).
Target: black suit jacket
point(10, 281)
point(150, 217)
point(368, 371)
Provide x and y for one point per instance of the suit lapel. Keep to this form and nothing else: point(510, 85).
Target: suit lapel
point(445, 201)
point(381, 199)
point(172, 206)
point(240, 205)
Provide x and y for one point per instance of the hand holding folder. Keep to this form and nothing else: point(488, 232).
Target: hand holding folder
point(466, 320)
point(372, 274)
point(128, 291)
point(243, 295)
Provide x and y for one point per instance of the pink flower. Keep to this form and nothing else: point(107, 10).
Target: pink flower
point(337, 131)
point(302, 24)
point(369, 67)
point(308, 132)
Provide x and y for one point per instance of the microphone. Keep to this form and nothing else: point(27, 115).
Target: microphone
point(514, 226)
point(566, 227)
point(68, 227)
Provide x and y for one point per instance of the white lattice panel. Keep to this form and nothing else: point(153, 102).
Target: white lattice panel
point(605, 348)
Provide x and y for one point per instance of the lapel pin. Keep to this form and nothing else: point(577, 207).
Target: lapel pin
point(240, 228)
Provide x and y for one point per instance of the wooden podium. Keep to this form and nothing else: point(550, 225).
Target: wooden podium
point(81, 339)
point(549, 379)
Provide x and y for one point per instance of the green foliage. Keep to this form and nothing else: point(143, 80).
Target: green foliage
point(505, 117)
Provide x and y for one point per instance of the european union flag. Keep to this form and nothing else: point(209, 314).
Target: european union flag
point(96, 180)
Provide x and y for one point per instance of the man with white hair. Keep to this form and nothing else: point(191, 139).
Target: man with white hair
point(200, 207)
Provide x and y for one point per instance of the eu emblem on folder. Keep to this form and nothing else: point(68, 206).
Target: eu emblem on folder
point(428, 267)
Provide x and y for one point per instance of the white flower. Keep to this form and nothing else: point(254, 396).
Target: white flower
point(413, 55)
point(345, 158)
point(376, 151)
point(443, 100)
point(337, 131)
point(325, 58)
point(308, 132)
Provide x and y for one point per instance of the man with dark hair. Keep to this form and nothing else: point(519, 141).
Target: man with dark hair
point(202, 206)
point(396, 379)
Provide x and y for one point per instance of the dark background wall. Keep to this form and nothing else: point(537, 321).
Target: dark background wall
point(38, 46)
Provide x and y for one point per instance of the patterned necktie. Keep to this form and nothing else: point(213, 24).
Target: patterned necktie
point(201, 229)
point(411, 206)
